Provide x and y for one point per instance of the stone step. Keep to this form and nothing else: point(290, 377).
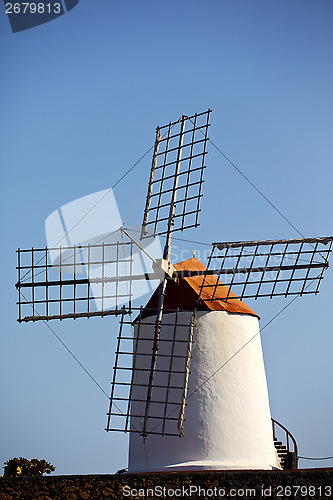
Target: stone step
point(281, 451)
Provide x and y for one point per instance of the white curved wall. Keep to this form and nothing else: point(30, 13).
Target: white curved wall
point(227, 421)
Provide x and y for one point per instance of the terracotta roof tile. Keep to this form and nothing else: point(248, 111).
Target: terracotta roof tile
point(231, 305)
point(184, 294)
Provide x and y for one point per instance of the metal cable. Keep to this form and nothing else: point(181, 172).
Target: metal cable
point(252, 338)
point(316, 458)
point(79, 363)
point(111, 188)
point(261, 193)
point(135, 202)
point(179, 239)
point(97, 202)
point(192, 241)
point(257, 189)
point(67, 258)
point(253, 185)
point(102, 197)
point(67, 349)
point(73, 356)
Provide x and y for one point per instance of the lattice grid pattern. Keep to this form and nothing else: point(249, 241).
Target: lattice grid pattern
point(132, 369)
point(73, 282)
point(176, 178)
point(252, 269)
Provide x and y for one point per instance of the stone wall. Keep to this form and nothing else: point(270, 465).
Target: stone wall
point(301, 484)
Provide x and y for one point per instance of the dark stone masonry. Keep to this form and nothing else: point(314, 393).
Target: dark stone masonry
point(303, 484)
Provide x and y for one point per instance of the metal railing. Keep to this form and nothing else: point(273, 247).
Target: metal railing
point(288, 436)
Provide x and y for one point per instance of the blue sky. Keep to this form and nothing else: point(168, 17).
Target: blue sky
point(80, 99)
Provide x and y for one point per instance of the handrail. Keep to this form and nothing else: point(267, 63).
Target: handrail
point(288, 435)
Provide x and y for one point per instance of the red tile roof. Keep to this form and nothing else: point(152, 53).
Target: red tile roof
point(185, 292)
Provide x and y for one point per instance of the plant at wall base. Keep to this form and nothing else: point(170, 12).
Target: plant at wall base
point(22, 467)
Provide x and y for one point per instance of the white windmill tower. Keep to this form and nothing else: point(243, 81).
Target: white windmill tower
point(228, 421)
point(193, 368)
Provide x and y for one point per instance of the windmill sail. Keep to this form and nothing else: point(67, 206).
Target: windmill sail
point(97, 280)
point(86, 280)
point(130, 385)
point(267, 268)
point(177, 167)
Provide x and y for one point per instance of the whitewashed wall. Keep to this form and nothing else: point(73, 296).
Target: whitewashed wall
point(228, 421)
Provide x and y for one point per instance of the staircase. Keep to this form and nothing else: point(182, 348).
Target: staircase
point(287, 458)
point(282, 453)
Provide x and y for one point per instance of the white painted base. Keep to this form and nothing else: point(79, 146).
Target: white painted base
point(195, 466)
point(227, 422)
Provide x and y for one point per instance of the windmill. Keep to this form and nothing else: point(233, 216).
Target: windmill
point(168, 380)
